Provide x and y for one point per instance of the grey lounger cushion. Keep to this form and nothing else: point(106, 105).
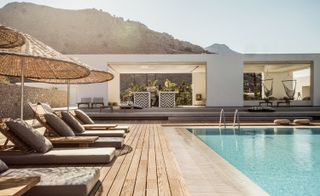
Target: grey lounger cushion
point(103, 133)
point(29, 136)
point(62, 181)
point(116, 142)
point(121, 127)
point(3, 166)
point(83, 117)
point(61, 156)
point(59, 126)
point(72, 122)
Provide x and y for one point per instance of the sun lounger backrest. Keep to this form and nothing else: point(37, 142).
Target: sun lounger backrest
point(14, 139)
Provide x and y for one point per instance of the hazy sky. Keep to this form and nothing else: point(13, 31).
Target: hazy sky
point(250, 26)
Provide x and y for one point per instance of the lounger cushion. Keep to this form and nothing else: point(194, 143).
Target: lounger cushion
point(83, 117)
point(72, 122)
point(62, 181)
point(104, 133)
point(3, 166)
point(61, 156)
point(116, 142)
point(29, 136)
point(59, 126)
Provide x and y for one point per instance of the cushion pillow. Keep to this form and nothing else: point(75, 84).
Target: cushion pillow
point(83, 117)
point(29, 136)
point(58, 125)
point(3, 166)
point(72, 122)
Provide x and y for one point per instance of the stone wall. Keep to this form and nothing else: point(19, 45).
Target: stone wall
point(10, 99)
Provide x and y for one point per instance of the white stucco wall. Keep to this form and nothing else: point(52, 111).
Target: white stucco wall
point(224, 79)
point(90, 90)
point(199, 86)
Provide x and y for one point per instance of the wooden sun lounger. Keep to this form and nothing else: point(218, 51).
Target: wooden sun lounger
point(17, 185)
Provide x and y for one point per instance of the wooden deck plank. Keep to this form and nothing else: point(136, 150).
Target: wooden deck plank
point(152, 181)
point(149, 169)
point(106, 167)
point(129, 182)
point(163, 183)
point(123, 171)
point(140, 186)
point(111, 175)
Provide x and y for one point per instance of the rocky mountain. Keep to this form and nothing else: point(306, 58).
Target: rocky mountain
point(220, 49)
point(90, 31)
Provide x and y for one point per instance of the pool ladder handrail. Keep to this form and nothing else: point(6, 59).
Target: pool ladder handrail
point(236, 119)
point(222, 117)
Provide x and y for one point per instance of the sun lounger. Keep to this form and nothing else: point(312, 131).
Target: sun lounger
point(62, 181)
point(58, 127)
point(88, 123)
point(34, 148)
point(60, 156)
point(63, 129)
point(113, 139)
point(83, 118)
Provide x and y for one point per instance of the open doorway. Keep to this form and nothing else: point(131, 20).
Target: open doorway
point(277, 83)
point(186, 82)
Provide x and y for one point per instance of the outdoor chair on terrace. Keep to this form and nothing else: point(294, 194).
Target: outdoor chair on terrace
point(85, 101)
point(97, 101)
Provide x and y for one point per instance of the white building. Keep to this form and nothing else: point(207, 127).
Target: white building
point(219, 78)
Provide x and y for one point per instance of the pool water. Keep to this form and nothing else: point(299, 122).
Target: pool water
point(283, 161)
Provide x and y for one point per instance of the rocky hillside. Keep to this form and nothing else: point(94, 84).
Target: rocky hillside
point(90, 31)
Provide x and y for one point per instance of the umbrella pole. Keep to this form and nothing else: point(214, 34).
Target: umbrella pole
point(68, 95)
point(22, 92)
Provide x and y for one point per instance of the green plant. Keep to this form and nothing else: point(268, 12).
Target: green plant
point(4, 80)
point(184, 95)
point(169, 86)
point(128, 93)
point(152, 83)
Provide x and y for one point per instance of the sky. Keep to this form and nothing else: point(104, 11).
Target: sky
point(246, 26)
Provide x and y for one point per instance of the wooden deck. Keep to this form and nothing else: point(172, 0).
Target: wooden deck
point(149, 168)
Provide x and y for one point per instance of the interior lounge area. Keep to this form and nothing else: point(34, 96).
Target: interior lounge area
point(158, 84)
point(277, 84)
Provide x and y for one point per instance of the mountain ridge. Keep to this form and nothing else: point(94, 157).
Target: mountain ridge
point(90, 31)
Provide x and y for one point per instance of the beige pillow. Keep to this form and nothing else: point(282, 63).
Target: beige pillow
point(29, 136)
point(83, 117)
point(58, 125)
point(72, 122)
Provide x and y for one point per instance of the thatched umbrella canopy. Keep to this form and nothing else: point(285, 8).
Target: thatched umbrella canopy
point(95, 76)
point(24, 56)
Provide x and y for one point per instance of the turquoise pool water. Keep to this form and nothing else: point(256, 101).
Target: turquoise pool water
point(283, 161)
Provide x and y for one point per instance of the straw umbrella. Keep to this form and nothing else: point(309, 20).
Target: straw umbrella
point(95, 76)
point(24, 56)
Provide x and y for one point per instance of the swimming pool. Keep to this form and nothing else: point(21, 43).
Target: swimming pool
point(283, 161)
